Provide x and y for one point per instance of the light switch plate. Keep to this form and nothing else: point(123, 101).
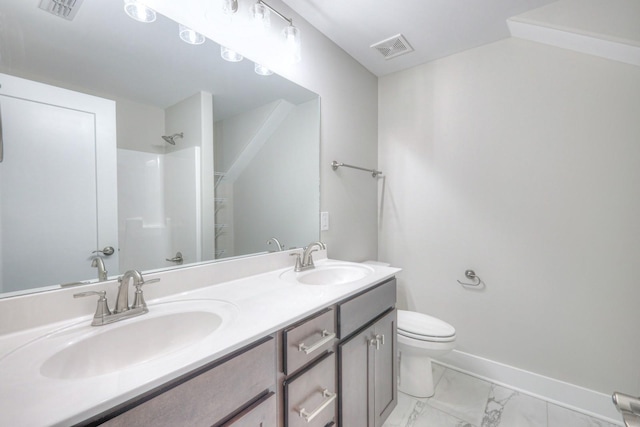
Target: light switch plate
point(324, 221)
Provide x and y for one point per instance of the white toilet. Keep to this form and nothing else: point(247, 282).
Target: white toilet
point(421, 337)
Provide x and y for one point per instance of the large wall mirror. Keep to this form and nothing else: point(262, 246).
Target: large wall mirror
point(118, 134)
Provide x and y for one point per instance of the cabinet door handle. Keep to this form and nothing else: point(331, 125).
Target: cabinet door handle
point(378, 340)
point(326, 337)
point(330, 397)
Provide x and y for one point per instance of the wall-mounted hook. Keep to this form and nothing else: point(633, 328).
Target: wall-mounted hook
point(471, 275)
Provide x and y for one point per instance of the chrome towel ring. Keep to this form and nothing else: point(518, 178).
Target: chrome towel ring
point(471, 275)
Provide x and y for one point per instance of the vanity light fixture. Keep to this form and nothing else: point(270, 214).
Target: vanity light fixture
point(230, 55)
point(139, 11)
point(229, 7)
point(292, 44)
point(261, 15)
point(189, 36)
point(262, 70)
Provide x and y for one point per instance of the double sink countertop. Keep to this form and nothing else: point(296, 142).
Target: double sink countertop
point(48, 377)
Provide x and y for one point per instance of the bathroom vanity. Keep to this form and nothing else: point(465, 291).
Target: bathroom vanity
point(314, 348)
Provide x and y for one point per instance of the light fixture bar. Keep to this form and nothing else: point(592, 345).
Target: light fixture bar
point(289, 20)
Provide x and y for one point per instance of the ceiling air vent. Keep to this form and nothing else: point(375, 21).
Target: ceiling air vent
point(393, 46)
point(66, 9)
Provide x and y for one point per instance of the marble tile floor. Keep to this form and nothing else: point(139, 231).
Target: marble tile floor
point(461, 400)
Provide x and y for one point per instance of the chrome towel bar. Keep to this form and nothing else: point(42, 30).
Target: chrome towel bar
point(335, 165)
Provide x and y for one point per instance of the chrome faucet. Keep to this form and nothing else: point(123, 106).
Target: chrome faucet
point(104, 316)
point(122, 300)
point(306, 262)
point(98, 262)
point(629, 407)
point(279, 246)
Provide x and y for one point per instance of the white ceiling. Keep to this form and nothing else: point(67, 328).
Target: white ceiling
point(434, 28)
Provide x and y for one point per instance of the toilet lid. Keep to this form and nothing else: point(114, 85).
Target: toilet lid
point(432, 339)
point(416, 325)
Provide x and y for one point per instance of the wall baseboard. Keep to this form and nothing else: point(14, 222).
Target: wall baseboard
point(560, 393)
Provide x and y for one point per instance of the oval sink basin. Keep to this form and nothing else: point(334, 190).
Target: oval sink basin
point(329, 274)
point(84, 351)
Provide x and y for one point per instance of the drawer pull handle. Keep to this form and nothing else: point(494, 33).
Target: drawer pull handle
point(330, 397)
point(326, 337)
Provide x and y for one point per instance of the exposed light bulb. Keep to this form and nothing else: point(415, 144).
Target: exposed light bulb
point(139, 11)
point(262, 70)
point(190, 36)
point(292, 44)
point(261, 15)
point(230, 55)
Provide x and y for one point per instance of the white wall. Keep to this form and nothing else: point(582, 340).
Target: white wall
point(139, 126)
point(348, 117)
point(234, 133)
point(520, 161)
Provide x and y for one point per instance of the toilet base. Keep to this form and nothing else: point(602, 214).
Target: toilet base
point(416, 375)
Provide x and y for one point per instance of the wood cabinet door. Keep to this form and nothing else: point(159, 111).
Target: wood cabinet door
point(354, 379)
point(368, 374)
point(385, 367)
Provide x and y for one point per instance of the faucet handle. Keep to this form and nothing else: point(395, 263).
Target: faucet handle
point(102, 294)
point(138, 297)
point(102, 309)
point(298, 266)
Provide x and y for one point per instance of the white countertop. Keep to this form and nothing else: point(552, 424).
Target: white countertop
point(264, 303)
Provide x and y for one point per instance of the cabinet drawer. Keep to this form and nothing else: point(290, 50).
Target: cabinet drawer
point(260, 414)
point(208, 397)
point(307, 340)
point(311, 396)
point(359, 310)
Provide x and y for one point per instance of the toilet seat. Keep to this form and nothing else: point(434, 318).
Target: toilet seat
point(422, 327)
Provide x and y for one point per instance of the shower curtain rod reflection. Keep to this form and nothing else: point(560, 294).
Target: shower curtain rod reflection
point(374, 173)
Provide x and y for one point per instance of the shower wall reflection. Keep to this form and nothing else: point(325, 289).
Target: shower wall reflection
point(165, 198)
